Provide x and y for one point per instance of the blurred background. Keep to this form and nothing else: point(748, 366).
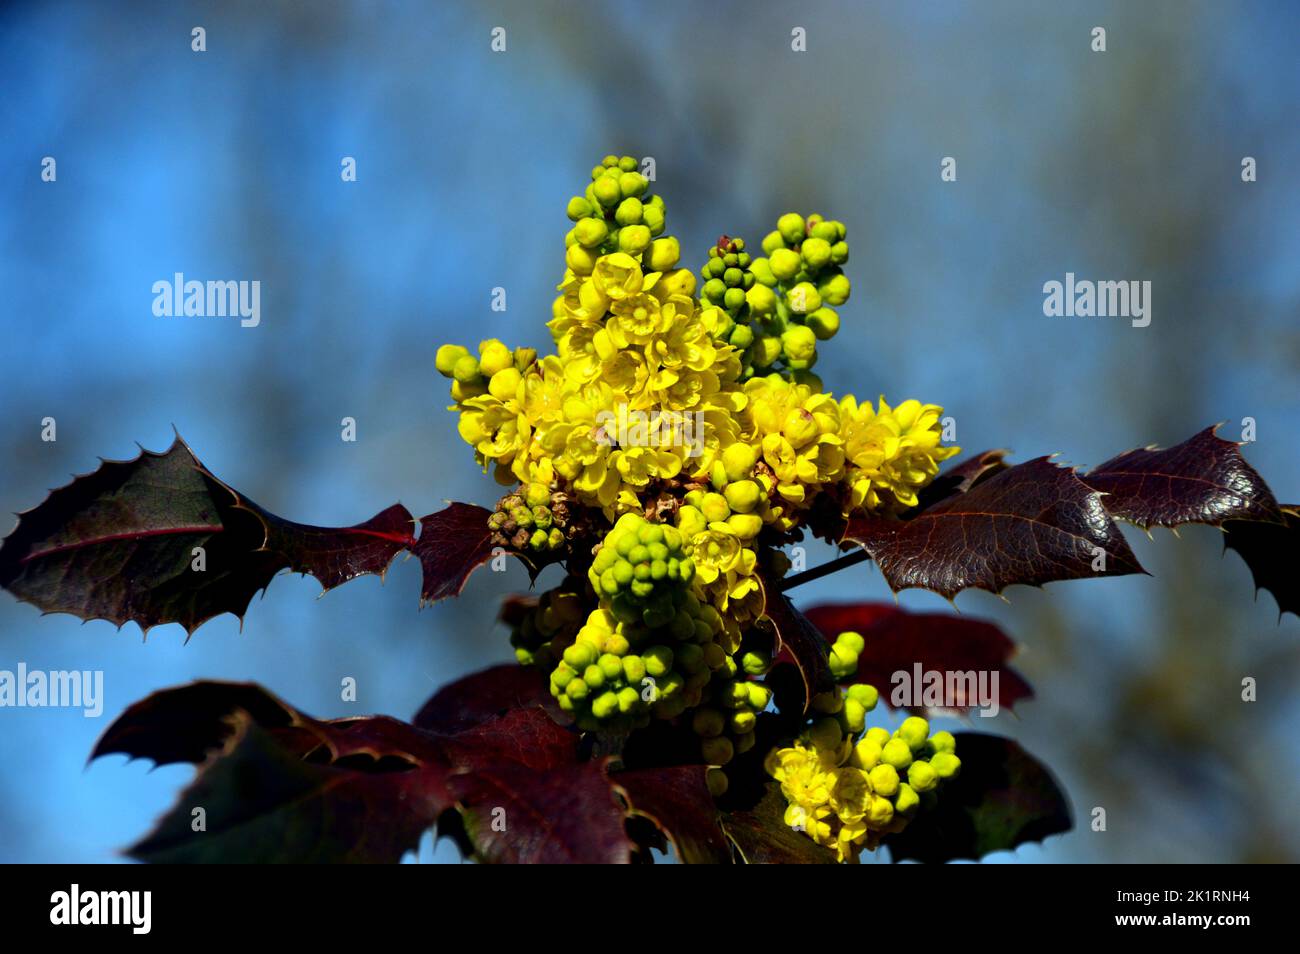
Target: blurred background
point(226, 165)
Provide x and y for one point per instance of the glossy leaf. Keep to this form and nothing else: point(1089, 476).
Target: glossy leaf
point(962, 476)
point(453, 544)
point(1002, 798)
point(677, 800)
point(1272, 551)
point(159, 539)
point(1202, 480)
point(1032, 523)
point(897, 641)
point(277, 785)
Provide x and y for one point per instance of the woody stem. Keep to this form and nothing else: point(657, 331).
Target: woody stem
point(826, 569)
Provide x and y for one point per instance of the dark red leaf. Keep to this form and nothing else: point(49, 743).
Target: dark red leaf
point(1202, 480)
point(797, 641)
point(453, 544)
point(570, 814)
point(1272, 551)
point(762, 837)
point(1031, 524)
point(278, 785)
point(260, 802)
point(898, 641)
point(677, 800)
point(334, 555)
point(1002, 798)
point(960, 477)
point(120, 544)
point(486, 695)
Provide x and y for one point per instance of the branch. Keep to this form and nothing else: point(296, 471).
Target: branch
point(826, 569)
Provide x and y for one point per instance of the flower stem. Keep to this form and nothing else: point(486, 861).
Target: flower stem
point(826, 569)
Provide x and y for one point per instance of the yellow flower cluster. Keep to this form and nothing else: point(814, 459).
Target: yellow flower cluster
point(646, 400)
point(836, 799)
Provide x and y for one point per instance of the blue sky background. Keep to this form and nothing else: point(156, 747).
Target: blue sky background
point(225, 165)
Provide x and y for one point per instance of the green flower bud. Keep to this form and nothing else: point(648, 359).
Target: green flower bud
point(739, 460)
point(761, 300)
point(945, 764)
point(791, 227)
point(855, 715)
point(864, 695)
point(785, 263)
point(629, 213)
point(716, 779)
point(761, 269)
point(653, 218)
point(589, 233)
point(907, 800)
point(505, 383)
point(843, 662)
point(852, 640)
point(664, 254)
point(803, 298)
point(634, 239)
point(799, 343)
point(632, 184)
point(756, 663)
point(867, 754)
point(742, 722)
point(898, 754)
point(466, 369)
point(717, 751)
point(922, 776)
point(840, 252)
point(608, 194)
point(447, 357)
point(633, 669)
point(627, 163)
point(577, 689)
point(604, 705)
point(742, 336)
point(757, 696)
point(772, 241)
point(580, 655)
point(834, 290)
point(611, 666)
point(764, 351)
point(658, 660)
point(878, 735)
point(707, 723)
point(581, 260)
point(734, 300)
point(816, 253)
point(593, 676)
point(824, 322)
point(884, 779)
point(742, 495)
point(914, 731)
point(825, 231)
point(943, 742)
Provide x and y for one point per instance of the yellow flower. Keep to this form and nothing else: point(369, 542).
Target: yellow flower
point(890, 453)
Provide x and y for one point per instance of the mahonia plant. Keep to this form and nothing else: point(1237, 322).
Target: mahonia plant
point(666, 456)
